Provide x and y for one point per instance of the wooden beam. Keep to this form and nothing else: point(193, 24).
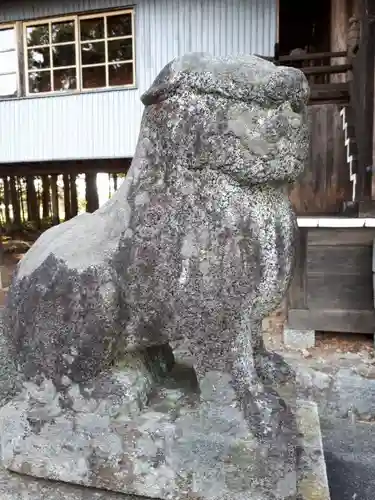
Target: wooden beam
point(330, 87)
point(330, 92)
point(328, 100)
point(312, 57)
point(117, 165)
point(323, 237)
point(349, 320)
point(327, 70)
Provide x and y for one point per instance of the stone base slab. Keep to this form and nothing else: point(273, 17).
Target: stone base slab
point(311, 478)
point(298, 339)
point(180, 445)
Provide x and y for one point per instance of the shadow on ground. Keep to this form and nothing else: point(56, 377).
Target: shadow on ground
point(350, 459)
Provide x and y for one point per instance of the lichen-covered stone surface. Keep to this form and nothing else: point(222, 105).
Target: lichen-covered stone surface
point(312, 481)
point(193, 251)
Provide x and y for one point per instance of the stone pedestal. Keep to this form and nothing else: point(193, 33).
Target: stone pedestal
point(166, 440)
point(311, 474)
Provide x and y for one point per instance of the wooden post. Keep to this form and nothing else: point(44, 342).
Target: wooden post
point(16, 207)
point(339, 32)
point(55, 200)
point(46, 196)
point(297, 296)
point(32, 201)
point(67, 204)
point(92, 198)
point(356, 8)
point(364, 81)
point(21, 192)
point(6, 199)
point(370, 15)
point(73, 195)
point(29, 188)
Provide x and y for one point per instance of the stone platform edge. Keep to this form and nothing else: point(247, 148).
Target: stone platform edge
point(312, 475)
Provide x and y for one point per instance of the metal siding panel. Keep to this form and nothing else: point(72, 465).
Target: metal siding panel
point(21, 10)
point(106, 124)
point(95, 125)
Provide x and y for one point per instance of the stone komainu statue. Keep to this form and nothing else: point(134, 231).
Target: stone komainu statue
point(194, 249)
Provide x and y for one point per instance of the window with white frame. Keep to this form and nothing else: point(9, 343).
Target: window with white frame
point(8, 61)
point(50, 56)
point(80, 52)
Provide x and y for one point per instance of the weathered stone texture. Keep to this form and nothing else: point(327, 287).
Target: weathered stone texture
point(195, 249)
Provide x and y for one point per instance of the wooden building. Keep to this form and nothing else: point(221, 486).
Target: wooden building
point(333, 288)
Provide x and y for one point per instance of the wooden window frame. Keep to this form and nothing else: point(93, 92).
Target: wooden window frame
point(76, 18)
point(50, 45)
point(106, 64)
point(14, 26)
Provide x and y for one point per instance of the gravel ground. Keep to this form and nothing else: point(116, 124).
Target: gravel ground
point(339, 374)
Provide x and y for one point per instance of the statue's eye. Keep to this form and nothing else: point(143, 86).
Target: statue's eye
point(297, 107)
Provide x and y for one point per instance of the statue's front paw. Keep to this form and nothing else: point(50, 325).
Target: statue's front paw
point(267, 413)
point(274, 368)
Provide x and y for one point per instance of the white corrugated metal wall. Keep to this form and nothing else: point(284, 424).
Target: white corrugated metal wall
point(105, 124)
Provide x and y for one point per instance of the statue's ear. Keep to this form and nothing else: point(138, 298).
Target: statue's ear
point(162, 86)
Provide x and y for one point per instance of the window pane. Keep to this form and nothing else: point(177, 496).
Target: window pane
point(8, 85)
point(39, 58)
point(93, 78)
point(8, 62)
point(120, 50)
point(40, 82)
point(64, 55)
point(93, 53)
point(119, 25)
point(92, 29)
point(7, 39)
point(120, 74)
point(65, 79)
point(63, 32)
point(37, 35)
